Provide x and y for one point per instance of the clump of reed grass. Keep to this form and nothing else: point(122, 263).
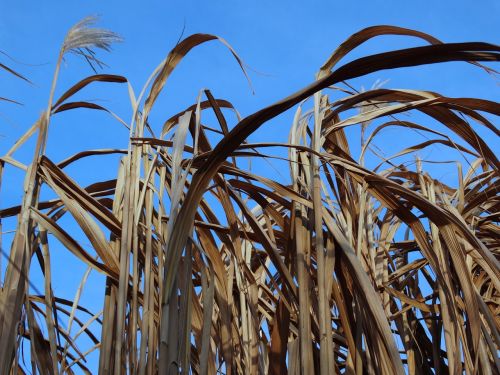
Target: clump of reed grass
point(211, 267)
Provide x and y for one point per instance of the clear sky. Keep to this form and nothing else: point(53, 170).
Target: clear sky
point(283, 43)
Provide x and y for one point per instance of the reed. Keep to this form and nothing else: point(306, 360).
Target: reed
point(213, 268)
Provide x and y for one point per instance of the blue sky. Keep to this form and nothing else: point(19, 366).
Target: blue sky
point(282, 42)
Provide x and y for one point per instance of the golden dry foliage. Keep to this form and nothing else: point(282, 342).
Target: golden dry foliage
point(213, 268)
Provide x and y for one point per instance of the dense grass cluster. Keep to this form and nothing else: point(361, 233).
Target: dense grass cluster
point(213, 268)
